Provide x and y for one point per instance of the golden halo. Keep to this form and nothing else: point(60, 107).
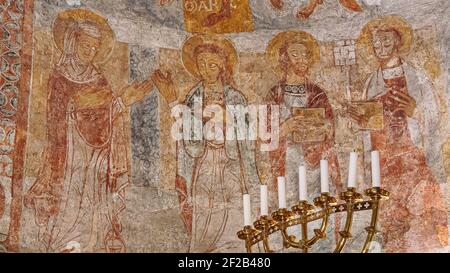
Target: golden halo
point(193, 42)
point(291, 37)
point(64, 20)
point(405, 30)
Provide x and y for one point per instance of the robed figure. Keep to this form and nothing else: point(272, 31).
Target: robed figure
point(415, 217)
point(80, 191)
point(213, 170)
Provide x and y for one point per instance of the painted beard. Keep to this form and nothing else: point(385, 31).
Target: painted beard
point(299, 68)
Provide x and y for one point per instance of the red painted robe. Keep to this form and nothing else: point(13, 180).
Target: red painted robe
point(314, 152)
point(415, 217)
point(84, 167)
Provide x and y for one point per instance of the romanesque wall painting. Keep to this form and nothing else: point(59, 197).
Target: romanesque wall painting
point(115, 128)
point(222, 16)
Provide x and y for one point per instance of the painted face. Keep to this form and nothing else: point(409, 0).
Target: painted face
point(299, 57)
point(385, 44)
point(87, 48)
point(209, 66)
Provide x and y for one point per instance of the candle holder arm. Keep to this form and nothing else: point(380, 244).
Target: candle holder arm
point(265, 225)
point(324, 201)
point(320, 233)
point(376, 194)
point(291, 240)
point(248, 234)
point(350, 197)
point(285, 219)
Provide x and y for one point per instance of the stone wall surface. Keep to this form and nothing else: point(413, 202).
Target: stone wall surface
point(87, 158)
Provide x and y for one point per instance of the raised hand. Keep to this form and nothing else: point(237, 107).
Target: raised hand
point(165, 86)
point(306, 11)
point(136, 91)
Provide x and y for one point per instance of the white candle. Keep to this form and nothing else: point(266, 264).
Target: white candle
point(376, 176)
point(352, 170)
point(302, 188)
point(281, 193)
point(324, 185)
point(264, 203)
point(247, 210)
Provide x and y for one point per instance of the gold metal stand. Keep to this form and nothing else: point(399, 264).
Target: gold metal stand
point(303, 213)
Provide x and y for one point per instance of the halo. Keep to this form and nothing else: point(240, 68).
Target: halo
point(64, 20)
point(291, 37)
point(193, 42)
point(405, 30)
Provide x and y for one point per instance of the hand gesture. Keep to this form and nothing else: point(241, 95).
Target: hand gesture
point(305, 12)
point(136, 91)
point(357, 114)
point(290, 125)
point(404, 102)
point(165, 85)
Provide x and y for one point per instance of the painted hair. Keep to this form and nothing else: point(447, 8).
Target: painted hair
point(283, 55)
point(226, 69)
point(388, 29)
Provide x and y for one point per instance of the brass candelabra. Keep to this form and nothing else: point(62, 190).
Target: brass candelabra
point(304, 213)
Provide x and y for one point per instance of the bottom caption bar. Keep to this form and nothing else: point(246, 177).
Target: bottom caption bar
point(217, 262)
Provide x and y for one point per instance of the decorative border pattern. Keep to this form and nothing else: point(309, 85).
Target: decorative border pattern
point(15, 74)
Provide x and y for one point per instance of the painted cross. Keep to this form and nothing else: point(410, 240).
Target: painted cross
point(344, 53)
